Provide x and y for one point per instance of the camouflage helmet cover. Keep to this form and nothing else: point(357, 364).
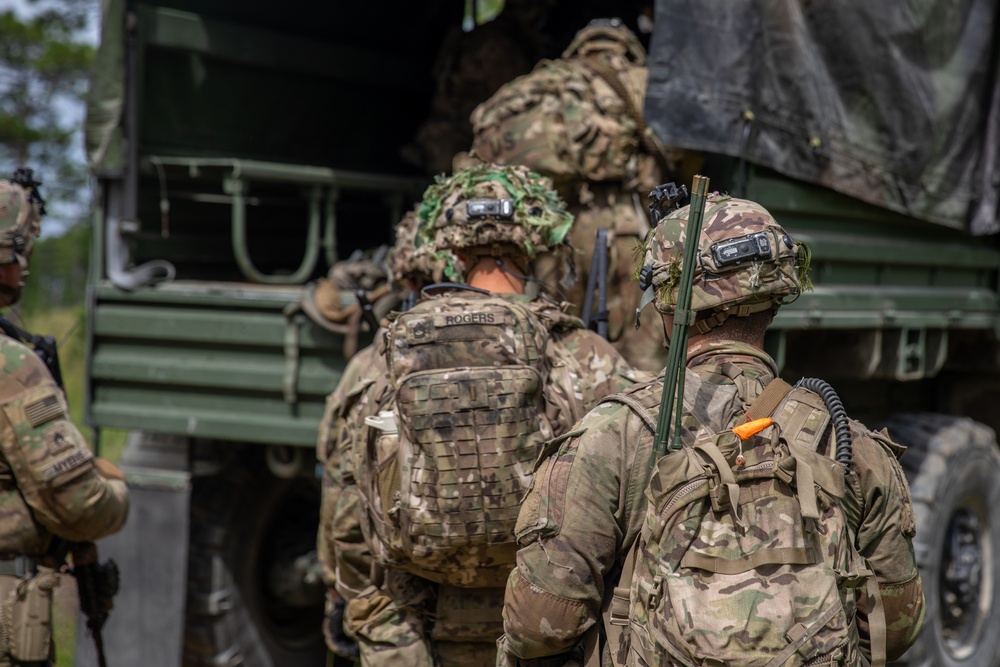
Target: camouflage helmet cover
point(20, 222)
point(746, 261)
point(605, 35)
point(402, 261)
point(456, 221)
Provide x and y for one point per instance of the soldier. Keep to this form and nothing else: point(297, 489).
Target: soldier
point(579, 121)
point(52, 488)
point(469, 67)
point(435, 438)
point(763, 550)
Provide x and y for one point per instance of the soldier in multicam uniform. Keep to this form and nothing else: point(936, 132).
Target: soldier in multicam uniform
point(587, 509)
point(578, 120)
point(480, 229)
point(51, 486)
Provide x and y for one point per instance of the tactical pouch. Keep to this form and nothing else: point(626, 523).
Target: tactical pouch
point(30, 617)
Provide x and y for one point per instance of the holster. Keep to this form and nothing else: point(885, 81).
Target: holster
point(27, 616)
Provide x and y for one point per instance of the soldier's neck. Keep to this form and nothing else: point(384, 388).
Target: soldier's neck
point(487, 274)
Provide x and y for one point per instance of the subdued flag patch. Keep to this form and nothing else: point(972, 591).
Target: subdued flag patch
point(43, 410)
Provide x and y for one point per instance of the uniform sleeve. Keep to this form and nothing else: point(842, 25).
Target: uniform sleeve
point(604, 370)
point(584, 506)
point(344, 559)
point(885, 534)
point(51, 463)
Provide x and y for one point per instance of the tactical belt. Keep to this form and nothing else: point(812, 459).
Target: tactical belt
point(17, 566)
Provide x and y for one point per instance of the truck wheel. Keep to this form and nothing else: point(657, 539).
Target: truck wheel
point(248, 526)
point(953, 468)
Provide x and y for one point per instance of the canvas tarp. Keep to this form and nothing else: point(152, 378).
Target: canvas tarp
point(895, 103)
point(106, 94)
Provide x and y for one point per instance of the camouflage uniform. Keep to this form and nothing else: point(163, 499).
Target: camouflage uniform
point(403, 618)
point(578, 120)
point(588, 503)
point(51, 486)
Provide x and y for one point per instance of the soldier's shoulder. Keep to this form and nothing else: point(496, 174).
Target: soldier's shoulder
point(19, 364)
point(638, 402)
point(648, 393)
point(585, 344)
point(875, 456)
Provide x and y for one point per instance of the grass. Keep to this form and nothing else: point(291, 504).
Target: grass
point(67, 325)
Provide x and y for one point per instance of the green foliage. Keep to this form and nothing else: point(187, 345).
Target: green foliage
point(43, 75)
point(58, 272)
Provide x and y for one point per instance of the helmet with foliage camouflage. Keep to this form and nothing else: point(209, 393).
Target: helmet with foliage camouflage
point(20, 222)
point(606, 35)
point(747, 262)
point(483, 210)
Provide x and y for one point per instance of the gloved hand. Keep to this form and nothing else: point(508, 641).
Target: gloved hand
point(333, 627)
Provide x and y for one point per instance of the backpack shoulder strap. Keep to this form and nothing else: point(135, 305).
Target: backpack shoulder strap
point(614, 614)
point(769, 399)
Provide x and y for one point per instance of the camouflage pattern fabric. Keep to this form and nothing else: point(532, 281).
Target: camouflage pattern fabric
point(587, 506)
point(343, 557)
point(621, 213)
point(20, 223)
point(774, 267)
point(565, 120)
point(402, 262)
point(49, 483)
point(746, 555)
point(469, 372)
point(585, 368)
point(446, 235)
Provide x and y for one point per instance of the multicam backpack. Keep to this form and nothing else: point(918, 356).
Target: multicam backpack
point(747, 558)
point(452, 452)
point(576, 118)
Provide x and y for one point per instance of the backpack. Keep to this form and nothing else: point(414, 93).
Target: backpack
point(747, 558)
point(450, 454)
point(575, 119)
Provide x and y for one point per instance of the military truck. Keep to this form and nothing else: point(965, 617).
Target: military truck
point(241, 149)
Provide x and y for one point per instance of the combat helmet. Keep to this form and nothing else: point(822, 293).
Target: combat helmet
point(747, 262)
point(21, 209)
point(483, 210)
point(603, 35)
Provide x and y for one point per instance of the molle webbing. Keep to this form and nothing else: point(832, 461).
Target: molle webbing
point(470, 373)
point(468, 432)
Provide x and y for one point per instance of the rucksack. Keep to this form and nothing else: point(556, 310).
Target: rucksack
point(747, 558)
point(450, 454)
point(578, 118)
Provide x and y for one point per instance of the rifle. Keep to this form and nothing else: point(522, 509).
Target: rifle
point(26, 179)
point(673, 379)
point(97, 583)
point(598, 279)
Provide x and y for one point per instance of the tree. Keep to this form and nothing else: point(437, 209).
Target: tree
point(44, 63)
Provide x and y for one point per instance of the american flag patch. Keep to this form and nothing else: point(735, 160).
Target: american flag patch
point(43, 410)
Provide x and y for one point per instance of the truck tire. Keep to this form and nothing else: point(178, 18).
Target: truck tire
point(953, 468)
point(243, 522)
